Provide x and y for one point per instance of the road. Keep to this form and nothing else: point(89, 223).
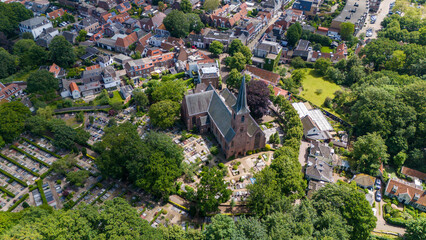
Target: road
point(256, 39)
point(381, 225)
point(381, 14)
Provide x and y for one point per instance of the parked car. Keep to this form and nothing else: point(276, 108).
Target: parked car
point(378, 196)
point(378, 183)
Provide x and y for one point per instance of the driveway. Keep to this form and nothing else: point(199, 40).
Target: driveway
point(381, 14)
point(303, 153)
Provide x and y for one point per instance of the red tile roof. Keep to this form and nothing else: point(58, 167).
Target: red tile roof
point(397, 188)
point(73, 87)
point(127, 41)
point(278, 91)
point(413, 173)
point(56, 13)
point(6, 92)
point(323, 29)
point(264, 74)
point(55, 69)
point(93, 67)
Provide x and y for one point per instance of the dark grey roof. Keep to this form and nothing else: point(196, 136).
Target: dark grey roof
point(221, 116)
point(319, 170)
point(229, 98)
point(198, 102)
point(69, 36)
point(88, 21)
point(35, 22)
point(241, 106)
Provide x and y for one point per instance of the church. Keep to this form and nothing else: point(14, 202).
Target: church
point(226, 116)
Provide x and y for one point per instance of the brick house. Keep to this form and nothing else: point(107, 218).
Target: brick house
point(406, 193)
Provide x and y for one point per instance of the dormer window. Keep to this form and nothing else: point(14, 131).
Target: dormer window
point(394, 188)
point(416, 197)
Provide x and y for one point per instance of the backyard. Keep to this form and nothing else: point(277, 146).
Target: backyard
point(316, 89)
point(326, 50)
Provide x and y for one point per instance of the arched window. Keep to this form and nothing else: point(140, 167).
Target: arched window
point(242, 118)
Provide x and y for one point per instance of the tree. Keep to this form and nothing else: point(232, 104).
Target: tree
point(321, 65)
point(169, 90)
point(234, 79)
point(258, 98)
point(210, 5)
point(186, 6)
point(161, 6)
point(211, 191)
point(238, 61)
point(11, 14)
point(195, 23)
point(397, 61)
point(8, 63)
point(251, 228)
point(61, 52)
point(77, 178)
point(222, 227)
point(216, 48)
point(81, 37)
point(2, 142)
point(140, 98)
point(177, 24)
point(351, 204)
point(27, 35)
point(45, 113)
point(164, 113)
point(298, 62)
point(235, 47)
point(294, 33)
point(42, 82)
point(347, 30)
point(5, 43)
point(399, 159)
point(369, 152)
point(12, 120)
point(416, 229)
point(297, 76)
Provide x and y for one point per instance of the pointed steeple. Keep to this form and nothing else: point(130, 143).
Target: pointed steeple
point(241, 106)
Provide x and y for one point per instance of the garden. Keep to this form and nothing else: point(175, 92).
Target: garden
point(319, 89)
point(397, 217)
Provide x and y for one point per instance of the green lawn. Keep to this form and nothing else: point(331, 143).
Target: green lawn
point(116, 98)
point(326, 50)
point(316, 89)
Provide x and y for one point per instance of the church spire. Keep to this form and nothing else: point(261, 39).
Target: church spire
point(241, 106)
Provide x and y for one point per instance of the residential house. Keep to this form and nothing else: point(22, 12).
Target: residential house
point(121, 59)
point(315, 125)
point(153, 23)
point(38, 7)
point(406, 193)
point(110, 78)
point(7, 93)
point(290, 16)
point(314, 186)
point(107, 4)
point(69, 36)
point(310, 8)
point(414, 174)
point(104, 60)
point(267, 55)
point(75, 92)
point(123, 7)
point(303, 50)
point(250, 28)
point(35, 26)
point(227, 16)
point(208, 74)
point(162, 31)
point(89, 24)
point(322, 31)
point(126, 93)
point(322, 151)
point(46, 37)
point(318, 170)
point(56, 13)
point(364, 181)
point(224, 37)
point(144, 66)
point(57, 71)
point(86, 10)
point(122, 44)
point(226, 116)
point(274, 5)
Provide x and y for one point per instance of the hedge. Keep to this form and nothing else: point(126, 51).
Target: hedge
point(40, 189)
point(32, 188)
point(7, 191)
point(19, 165)
point(178, 205)
point(83, 195)
point(13, 178)
point(396, 221)
point(44, 175)
point(18, 202)
point(41, 148)
point(30, 156)
point(156, 216)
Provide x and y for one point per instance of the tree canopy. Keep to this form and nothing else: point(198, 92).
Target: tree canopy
point(164, 113)
point(294, 33)
point(258, 98)
point(216, 48)
point(11, 14)
point(42, 81)
point(12, 120)
point(61, 52)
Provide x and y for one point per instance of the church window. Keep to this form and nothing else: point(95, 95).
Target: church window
point(242, 118)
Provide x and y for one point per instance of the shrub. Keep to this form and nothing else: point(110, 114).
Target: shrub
point(221, 165)
point(395, 201)
point(214, 150)
point(164, 212)
point(235, 167)
point(58, 181)
point(249, 152)
point(267, 147)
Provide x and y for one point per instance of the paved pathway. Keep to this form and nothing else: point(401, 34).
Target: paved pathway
point(381, 14)
point(303, 153)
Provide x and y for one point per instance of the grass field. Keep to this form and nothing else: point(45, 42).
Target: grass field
point(316, 89)
point(116, 98)
point(326, 50)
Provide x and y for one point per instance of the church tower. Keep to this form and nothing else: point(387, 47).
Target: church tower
point(240, 111)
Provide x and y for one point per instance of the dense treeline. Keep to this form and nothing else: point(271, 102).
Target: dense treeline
point(152, 163)
point(11, 14)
